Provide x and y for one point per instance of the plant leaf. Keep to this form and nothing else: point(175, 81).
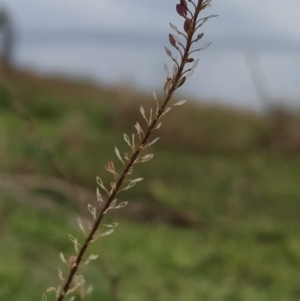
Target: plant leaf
point(195, 64)
point(180, 103)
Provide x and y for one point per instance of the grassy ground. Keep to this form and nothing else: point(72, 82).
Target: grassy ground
point(217, 167)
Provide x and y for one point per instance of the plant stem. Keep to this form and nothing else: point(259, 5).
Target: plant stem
point(135, 154)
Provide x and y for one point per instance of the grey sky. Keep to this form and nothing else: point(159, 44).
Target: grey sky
point(269, 27)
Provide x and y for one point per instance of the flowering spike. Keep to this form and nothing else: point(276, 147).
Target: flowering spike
point(175, 79)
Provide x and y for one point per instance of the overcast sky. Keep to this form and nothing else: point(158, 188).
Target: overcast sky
point(117, 40)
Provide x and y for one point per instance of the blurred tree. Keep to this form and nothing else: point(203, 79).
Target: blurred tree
point(6, 39)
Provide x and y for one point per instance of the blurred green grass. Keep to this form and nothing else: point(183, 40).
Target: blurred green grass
point(216, 165)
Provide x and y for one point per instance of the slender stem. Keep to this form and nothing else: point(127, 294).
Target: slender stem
point(193, 4)
point(134, 155)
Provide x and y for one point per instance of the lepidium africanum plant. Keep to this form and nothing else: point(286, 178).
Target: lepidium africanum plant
point(183, 65)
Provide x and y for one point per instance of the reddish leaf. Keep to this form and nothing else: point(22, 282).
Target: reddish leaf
point(172, 40)
point(183, 3)
point(181, 10)
point(187, 25)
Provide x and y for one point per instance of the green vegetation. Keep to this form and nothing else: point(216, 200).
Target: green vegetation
point(225, 198)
